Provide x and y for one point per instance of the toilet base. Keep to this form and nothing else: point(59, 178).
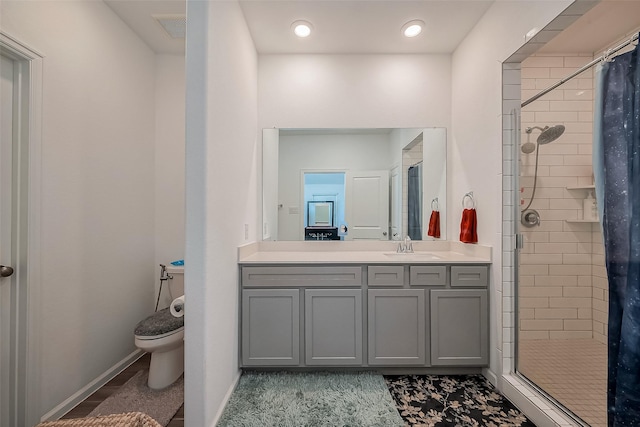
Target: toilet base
point(165, 367)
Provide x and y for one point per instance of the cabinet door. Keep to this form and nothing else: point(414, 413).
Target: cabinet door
point(396, 329)
point(459, 327)
point(271, 327)
point(333, 327)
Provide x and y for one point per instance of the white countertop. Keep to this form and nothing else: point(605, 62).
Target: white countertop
point(362, 253)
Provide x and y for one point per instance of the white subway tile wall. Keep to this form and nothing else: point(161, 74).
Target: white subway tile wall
point(562, 278)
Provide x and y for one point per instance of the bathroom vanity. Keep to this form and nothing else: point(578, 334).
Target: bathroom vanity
point(362, 308)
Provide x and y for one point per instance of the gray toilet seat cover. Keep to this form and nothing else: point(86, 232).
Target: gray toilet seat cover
point(159, 323)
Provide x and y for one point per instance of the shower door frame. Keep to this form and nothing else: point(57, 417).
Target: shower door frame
point(535, 401)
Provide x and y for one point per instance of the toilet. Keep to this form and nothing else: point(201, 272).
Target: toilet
point(161, 334)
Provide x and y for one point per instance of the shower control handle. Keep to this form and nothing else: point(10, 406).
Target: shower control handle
point(530, 218)
point(5, 271)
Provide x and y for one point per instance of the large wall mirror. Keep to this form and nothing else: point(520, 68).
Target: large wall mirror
point(354, 184)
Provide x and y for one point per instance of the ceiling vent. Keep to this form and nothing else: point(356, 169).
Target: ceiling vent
point(174, 25)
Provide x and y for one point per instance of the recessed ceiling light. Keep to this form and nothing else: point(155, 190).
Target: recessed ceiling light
point(301, 28)
point(412, 28)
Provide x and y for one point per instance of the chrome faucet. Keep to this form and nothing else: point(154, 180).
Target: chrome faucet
point(408, 246)
point(405, 247)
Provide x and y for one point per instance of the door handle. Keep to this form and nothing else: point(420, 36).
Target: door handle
point(5, 271)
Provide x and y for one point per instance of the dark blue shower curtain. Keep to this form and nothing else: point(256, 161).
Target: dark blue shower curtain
point(617, 172)
point(414, 201)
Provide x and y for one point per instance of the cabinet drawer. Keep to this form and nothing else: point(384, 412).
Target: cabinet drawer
point(469, 276)
point(301, 276)
point(428, 275)
point(385, 275)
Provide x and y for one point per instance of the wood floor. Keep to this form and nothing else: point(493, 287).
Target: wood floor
point(84, 408)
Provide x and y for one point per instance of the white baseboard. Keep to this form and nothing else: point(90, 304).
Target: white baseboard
point(78, 397)
point(490, 376)
point(226, 399)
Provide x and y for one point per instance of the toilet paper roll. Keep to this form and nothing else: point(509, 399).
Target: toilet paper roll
point(177, 307)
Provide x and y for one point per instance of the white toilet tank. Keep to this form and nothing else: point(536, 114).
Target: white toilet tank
point(176, 285)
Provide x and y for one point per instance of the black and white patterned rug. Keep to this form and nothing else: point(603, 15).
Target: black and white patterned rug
point(452, 401)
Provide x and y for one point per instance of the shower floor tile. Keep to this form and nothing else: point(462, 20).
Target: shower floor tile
point(574, 372)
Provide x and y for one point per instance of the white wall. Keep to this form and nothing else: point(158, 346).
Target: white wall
point(169, 162)
point(221, 195)
point(477, 117)
point(97, 187)
point(354, 91)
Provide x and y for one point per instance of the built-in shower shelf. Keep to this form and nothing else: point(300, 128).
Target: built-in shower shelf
point(582, 187)
point(582, 221)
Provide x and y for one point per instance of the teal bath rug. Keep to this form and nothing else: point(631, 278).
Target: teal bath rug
point(310, 399)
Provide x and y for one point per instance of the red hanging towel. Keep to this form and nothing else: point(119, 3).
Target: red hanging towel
point(469, 226)
point(434, 224)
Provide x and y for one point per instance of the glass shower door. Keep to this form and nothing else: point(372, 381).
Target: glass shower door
point(560, 278)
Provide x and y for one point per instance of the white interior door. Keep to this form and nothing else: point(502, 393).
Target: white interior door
point(367, 205)
point(6, 142)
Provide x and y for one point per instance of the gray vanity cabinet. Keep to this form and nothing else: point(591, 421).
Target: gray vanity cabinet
point(370, 315)
point(459, 327)
point(270, 327)
point(333, 327)
point(396, 327)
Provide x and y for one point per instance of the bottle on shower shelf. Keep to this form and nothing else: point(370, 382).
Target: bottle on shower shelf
point(590, 208)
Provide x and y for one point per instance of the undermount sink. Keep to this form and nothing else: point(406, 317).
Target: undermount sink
point(412, 256)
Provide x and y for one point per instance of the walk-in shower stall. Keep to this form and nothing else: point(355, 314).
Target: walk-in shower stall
point(562, 287)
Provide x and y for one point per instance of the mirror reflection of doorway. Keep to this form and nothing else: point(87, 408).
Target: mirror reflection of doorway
point(324, 201)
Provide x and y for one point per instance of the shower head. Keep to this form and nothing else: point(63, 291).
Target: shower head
point(550, 134)
point(547, 134)
point(528, 147)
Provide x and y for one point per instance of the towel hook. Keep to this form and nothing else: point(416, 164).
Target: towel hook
point(437, 203)
point(470, 196)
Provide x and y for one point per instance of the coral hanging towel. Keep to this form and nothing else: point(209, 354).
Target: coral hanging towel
point(469, 226)
point(434, 224)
